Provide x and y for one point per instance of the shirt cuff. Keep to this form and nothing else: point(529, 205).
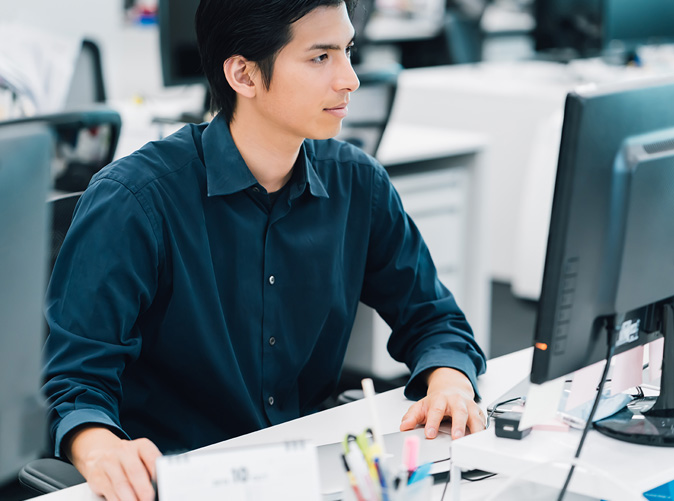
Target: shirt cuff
point(416, 387)
point(83, 416)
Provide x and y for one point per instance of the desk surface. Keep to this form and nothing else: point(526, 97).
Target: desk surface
point(403, 143)
point(331, 425)
point(609, 468)
point(640, 467)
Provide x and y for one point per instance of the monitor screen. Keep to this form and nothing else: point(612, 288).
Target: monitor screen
point(180, 60)
point(568, 28)
point(24, 183)
point(609, 258)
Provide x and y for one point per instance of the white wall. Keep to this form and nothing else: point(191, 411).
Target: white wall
point(130, 53)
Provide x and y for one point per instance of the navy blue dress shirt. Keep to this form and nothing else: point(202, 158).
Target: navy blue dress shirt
point(186, 308)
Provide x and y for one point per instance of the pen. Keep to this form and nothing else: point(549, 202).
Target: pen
point(359, 468)
point(382, 479)
point(368, 390)
point(400, 484)
point(352, 480)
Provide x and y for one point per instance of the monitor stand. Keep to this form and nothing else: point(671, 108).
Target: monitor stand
point(649, 421)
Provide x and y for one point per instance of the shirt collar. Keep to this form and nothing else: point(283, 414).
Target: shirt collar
point(227, 172)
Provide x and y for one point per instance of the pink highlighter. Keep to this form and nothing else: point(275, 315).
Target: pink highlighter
point(410, 453)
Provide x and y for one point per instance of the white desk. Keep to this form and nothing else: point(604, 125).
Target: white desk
point(543, 457)
point(331, 425)
point(641, 468)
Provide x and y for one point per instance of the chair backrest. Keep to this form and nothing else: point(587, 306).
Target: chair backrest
point(87, 85)
point(371, 106)
point(85, 142)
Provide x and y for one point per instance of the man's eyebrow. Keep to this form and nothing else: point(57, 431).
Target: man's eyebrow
point(328, 46)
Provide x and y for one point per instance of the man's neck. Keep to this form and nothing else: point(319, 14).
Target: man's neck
point(269, 157)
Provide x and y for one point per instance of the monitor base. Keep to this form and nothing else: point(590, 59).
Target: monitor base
point(634, 424)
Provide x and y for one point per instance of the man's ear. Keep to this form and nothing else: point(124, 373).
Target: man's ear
point(240, 73)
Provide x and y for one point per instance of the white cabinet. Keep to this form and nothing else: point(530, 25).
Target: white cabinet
point(435, 200)
point(437, 174)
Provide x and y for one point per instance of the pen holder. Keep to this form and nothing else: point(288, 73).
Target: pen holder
point(418, 491)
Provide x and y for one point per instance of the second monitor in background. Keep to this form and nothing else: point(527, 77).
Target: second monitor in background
point(568, 29)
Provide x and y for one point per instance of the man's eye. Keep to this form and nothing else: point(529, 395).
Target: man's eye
point(320, 58)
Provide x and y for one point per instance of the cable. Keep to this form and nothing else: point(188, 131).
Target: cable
point(496, 406)
point(610, 327)
point(444, 490)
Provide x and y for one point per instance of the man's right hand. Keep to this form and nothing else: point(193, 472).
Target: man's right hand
point(117, 469)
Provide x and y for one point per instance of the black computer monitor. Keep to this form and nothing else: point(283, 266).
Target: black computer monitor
point(610, 253)
point(180, 60)
point(567, 29)
point(24, 182)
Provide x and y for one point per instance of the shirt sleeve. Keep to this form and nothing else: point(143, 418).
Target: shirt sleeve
point(401, 283)
point(104, 278)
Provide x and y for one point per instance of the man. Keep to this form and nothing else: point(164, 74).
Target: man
point(209, 281)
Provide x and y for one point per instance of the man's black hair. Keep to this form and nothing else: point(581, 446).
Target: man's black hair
point(254, 29)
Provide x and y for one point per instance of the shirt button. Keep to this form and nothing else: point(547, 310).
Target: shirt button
point(272, 279)
point(272, 341)
point(256, 189)
point(270, 400)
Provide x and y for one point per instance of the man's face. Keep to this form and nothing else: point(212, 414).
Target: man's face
point(312, 77)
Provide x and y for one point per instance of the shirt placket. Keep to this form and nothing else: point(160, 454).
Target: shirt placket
point(272, 307)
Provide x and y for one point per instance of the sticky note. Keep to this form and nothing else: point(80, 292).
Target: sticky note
point(542, 403)
point(627, 370)
point(655, 349)
point(584, 385)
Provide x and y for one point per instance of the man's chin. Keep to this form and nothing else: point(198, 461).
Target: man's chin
point(326, 134)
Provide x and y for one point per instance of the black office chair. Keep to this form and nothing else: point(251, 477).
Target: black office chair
point(87, 85)
point(463, 37)
point(371, 106)
point(85, 141)
point(62, 208)
point(47, 475)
